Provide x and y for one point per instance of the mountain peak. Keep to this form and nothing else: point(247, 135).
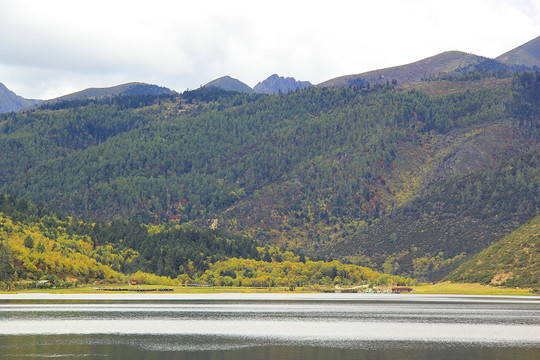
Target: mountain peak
point(275, 84)
point(132, 88)
point(9, 101)
point(229, 84)
point(444, 62)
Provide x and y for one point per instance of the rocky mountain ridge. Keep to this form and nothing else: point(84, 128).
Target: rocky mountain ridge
point(526, 56)
point(275, 84)
point(9, 101)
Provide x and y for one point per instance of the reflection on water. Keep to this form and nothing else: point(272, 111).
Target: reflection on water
point(269, 326)
point(205, 347)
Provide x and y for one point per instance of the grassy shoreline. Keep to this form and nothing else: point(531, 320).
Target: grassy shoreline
point(439, 288)
point(469, 289)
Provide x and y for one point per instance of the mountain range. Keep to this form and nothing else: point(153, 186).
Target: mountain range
point(444, 63)
point(412, 178)
point(9, 101)
point(526, 56)
point(448, 63)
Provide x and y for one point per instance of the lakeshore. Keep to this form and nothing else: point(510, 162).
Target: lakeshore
point(434, 289)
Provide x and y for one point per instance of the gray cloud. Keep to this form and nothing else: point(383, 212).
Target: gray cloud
point(51, 48)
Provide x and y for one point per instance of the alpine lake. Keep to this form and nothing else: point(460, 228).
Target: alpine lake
point(268, 326)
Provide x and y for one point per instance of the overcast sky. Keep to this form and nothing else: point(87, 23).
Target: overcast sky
point(51, 48)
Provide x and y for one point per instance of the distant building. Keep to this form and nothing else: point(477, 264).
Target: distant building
point(401, 289)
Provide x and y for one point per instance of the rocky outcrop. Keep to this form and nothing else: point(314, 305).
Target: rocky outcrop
point(275, 84)
point(9, 101)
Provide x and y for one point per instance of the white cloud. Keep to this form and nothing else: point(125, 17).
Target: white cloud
point(58, 46)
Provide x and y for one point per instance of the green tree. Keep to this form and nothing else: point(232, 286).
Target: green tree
point(40, 247)
point(6, 269)
point(29, 242)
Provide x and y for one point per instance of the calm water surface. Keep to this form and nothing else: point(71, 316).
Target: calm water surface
point(268, 326)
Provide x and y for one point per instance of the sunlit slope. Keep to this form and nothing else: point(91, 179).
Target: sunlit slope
point(36, 247)
point(513, 261)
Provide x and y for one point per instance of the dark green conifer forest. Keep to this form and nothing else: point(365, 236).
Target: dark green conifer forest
point(386, 176)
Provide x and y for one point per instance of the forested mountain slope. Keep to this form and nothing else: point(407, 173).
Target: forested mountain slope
point(329, 171)
point(37, 242)
point(513, 261)
point(41, 248)
point(35, 245)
